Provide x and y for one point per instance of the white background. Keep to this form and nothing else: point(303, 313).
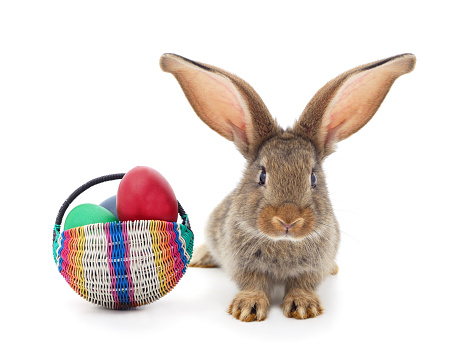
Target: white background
point(82, 95)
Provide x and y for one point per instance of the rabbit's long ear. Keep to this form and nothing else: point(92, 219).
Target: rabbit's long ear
point(348, 102)
point(226, 103)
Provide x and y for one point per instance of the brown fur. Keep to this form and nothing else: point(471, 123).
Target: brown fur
point(283, 231)
point(250, 306)
point(202, 258)
point(287, 220)
point(301, 304)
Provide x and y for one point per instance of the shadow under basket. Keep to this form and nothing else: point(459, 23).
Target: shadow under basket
point(124, 264)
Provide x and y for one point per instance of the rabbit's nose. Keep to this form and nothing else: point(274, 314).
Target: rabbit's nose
point(288, 226)
point(286, 221)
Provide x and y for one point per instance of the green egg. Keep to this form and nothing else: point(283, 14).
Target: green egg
point(86, 214)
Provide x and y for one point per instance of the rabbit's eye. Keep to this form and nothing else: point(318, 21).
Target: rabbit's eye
point(262, 177)
point(313, 180)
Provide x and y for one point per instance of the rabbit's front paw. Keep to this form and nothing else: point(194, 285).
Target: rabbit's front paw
point(249, 306)
point(301, 304)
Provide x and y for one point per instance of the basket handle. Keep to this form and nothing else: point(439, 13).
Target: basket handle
point(93, 182)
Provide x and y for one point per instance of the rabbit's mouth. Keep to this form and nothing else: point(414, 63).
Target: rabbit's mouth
point(286, 221)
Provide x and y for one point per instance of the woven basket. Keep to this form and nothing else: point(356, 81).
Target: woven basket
point(120, 265)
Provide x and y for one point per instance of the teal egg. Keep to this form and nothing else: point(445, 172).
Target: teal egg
point(86, 214)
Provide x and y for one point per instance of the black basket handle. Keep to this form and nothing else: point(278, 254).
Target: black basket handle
point(93, 182)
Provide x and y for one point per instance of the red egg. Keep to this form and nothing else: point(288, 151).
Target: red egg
point(144, 194)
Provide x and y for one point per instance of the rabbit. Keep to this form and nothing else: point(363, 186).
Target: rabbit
point(278, 227)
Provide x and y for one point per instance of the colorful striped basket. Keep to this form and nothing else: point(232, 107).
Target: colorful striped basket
point(120, 265)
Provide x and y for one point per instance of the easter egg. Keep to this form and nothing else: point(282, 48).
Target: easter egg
point(110, 205)
point(144, 194)
point(86, 214)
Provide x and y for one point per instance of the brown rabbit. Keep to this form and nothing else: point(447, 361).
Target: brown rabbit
point(278, 226)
